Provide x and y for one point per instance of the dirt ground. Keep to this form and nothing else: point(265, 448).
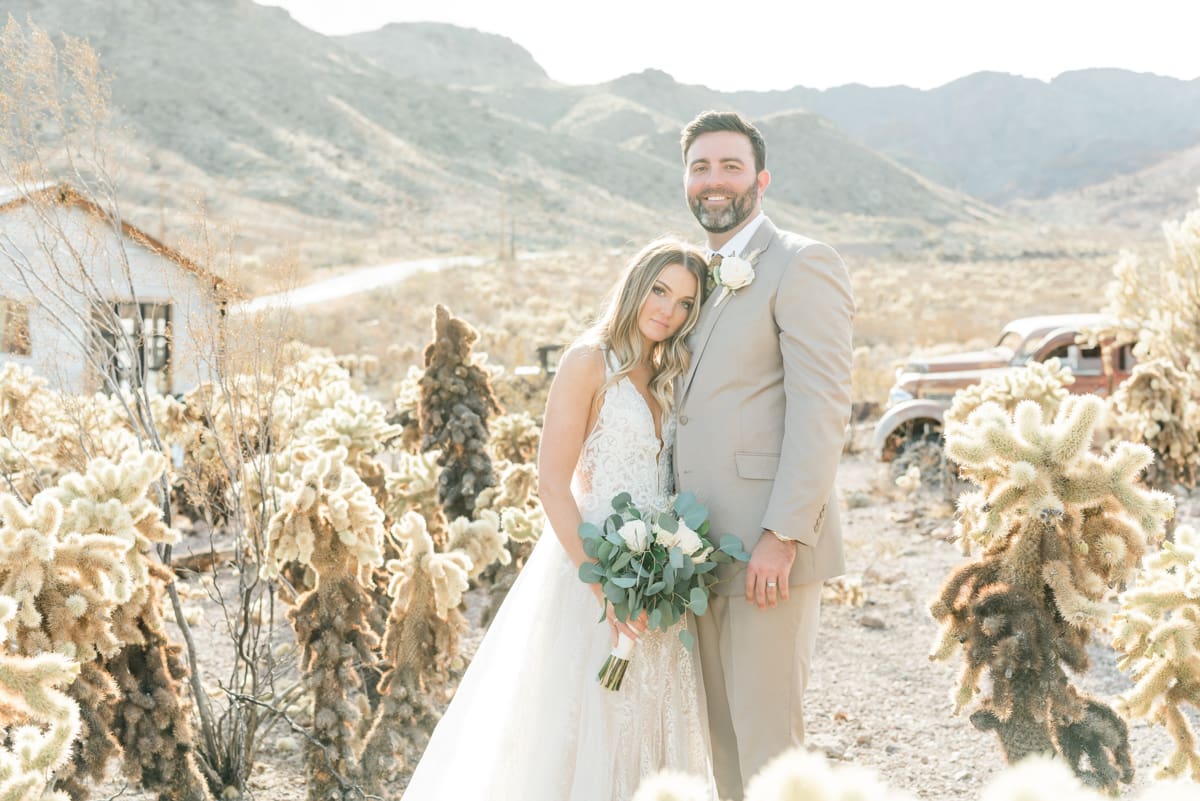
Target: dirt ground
point(874, 698)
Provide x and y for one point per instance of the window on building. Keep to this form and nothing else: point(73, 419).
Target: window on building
point(134, 341)
point(14, 328)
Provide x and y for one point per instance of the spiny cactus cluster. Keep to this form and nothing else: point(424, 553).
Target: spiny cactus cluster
point(329, 520)
point(1060, 527)
point(1157, 632)
point(515, 438)
point(39, 723)
point(1044, 383)
point(456, 400)
point(1159, 405)
point(387, 573)
point(44, 434)
point(79, 564)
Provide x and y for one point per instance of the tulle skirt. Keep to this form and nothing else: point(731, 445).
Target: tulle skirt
point(530, 722)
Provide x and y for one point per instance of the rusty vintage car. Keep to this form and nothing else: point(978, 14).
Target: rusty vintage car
point(910, 430)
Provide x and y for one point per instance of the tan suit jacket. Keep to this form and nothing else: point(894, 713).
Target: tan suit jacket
point(763, 408)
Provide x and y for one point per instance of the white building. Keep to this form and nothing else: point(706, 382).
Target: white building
point(83, 294)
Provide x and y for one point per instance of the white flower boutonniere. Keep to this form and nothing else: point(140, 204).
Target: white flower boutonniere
point(734, 273)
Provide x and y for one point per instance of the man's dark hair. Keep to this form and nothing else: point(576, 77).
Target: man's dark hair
point(710, 121)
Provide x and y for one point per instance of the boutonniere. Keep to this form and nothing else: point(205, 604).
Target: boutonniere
point(734, 273)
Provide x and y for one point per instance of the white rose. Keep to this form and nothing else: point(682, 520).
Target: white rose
point(635, 535)
point(667, 539)
point(697, 558)
point(735, 272)
point(687, 540)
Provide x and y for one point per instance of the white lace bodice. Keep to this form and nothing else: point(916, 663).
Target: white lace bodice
point(623, 454)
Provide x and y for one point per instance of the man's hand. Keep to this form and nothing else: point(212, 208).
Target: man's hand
point(768, 571)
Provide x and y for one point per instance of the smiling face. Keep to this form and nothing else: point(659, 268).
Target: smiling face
point(666, 307)
point(722, 187)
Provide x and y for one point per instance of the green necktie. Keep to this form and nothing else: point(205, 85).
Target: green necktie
point(711, 283)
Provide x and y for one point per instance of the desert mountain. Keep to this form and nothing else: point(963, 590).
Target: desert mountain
point(1001, 137)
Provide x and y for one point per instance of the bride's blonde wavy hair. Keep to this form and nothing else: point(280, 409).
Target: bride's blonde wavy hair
point(616, 331)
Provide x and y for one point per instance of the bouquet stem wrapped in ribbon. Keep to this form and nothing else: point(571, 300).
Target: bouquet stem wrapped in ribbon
point(658, 562)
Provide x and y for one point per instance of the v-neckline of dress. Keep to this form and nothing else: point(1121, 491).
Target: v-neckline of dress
point(656, 426)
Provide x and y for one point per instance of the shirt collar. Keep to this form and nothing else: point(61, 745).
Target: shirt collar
point(740, 240)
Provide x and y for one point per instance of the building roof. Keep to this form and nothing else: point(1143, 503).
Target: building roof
point(12, 197)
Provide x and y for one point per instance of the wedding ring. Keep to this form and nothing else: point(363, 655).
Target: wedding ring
point(770, 585)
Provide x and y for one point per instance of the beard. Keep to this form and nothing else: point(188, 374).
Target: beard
point(728, 218)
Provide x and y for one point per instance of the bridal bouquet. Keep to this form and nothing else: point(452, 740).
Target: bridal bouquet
point(657, 562)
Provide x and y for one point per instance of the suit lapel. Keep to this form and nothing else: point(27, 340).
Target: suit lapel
point(761, 240)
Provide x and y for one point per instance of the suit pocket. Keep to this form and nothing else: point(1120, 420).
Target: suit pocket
point(756, 465)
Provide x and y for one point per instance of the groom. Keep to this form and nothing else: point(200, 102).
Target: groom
point(761, 419)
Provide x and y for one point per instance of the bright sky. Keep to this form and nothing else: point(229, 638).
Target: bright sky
point(727, 45)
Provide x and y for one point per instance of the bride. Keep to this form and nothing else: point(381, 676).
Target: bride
point(530, 721)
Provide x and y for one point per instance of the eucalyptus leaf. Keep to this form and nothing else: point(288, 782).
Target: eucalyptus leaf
point(604, 550)
point(706, 567)
point(590, 573)
point(668, 575)
point(621, 561)
point(624, 582)
point(687, 639)
point(686, 570)
point(656, 588)
point(621, 611)
point(676, 557)
point(684, 501)
point(622, 501)
point(590, 531)
point(667, 522)
point(696, 516)
point(698, 601)
point(656, 619)
point(613, 593)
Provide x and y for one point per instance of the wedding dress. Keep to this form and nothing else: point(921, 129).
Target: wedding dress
point(530, 721)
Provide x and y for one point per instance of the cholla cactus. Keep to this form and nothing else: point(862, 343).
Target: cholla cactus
point(1044, 383)
point(412, 487)
point(672, 786)
point(1060, 526)
point(801, 774)
point(408, 398)
point(329, 520)
point(456, 400)
point(1160, 405)
point(515, 438)
point(1158, 633)
point(38, 722)
point(96, 596)
point(423, 631)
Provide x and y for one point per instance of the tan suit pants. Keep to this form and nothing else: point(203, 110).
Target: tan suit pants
point(756, 664)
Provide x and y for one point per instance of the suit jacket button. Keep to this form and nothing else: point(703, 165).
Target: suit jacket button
point(683, 420)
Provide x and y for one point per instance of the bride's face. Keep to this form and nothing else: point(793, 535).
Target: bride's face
point(666, 308)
